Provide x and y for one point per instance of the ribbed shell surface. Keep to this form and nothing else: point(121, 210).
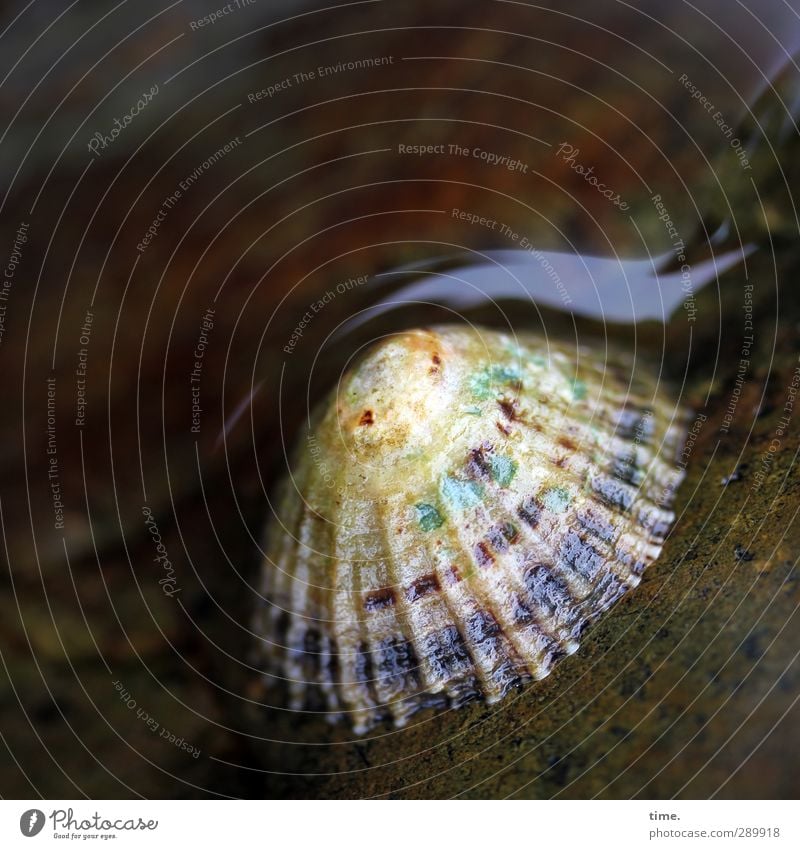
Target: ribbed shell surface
point(464, 505)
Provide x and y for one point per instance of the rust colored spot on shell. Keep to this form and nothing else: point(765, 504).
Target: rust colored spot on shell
point(509, 408)
point(367, 418)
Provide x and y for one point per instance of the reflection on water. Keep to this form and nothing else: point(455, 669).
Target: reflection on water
point(608, 294)
point(694, 126)
point(610, 289)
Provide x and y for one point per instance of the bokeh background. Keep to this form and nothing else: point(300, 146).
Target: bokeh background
point(247, 183)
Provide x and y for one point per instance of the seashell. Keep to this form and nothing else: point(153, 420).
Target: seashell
point(464, 504)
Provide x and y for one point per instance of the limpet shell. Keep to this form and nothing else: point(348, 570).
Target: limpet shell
point(464, 504)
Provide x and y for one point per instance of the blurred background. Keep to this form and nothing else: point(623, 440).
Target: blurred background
point(181, 181)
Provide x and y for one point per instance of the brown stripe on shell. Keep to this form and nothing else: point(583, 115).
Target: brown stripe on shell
point(379, 599)
point(483, 555)
point(422, 586)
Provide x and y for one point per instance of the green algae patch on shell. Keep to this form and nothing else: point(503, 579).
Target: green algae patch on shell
point(465, 503)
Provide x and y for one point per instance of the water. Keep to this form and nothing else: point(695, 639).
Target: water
point(709, 212)
point(608, 289)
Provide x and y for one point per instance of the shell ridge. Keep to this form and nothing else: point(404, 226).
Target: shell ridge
point(488, 630)
point(542, 638)
point(549, 636)
point(447, 649)
point(567, 591)
point(395, 663)
point(302, 643)
point(466, 602)
point(427, 615)
point(319, 644)
point(354, 660)
point(276, 582)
